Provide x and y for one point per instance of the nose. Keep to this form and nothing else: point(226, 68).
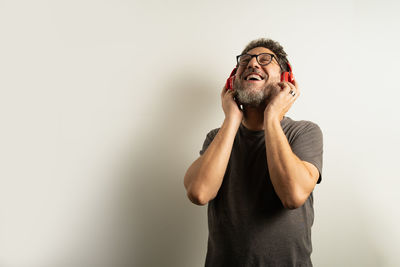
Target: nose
point(253, 63)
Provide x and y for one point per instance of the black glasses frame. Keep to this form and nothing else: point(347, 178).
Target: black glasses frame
point(256, 56)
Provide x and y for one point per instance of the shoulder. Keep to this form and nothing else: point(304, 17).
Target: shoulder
point(299, 124)
point(209, 138)
point(211, 134)
point(294, 128)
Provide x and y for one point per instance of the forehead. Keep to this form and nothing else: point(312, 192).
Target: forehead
point(259, 50)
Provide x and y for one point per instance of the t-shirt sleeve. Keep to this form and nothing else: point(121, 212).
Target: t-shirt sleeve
point(209, 138)
point(308, 146)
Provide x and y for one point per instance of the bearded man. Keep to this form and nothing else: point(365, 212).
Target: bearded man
point(257, 172)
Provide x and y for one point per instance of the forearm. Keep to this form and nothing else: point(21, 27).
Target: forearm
point(289, 176)
point(204, 177)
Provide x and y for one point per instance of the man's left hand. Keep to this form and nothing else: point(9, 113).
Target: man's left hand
point(281, 100)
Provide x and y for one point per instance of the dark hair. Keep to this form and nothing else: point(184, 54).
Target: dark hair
point(272, 45)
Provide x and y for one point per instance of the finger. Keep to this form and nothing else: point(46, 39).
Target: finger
point(294, 86)
point(223, 90)
point(293, 97)
point(295, 89)
point(291, 85)
point(296, 95)
point(226, 92)
point(285, 87)
point(295, 83)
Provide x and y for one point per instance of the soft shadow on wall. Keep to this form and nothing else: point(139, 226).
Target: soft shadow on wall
point(157, 224)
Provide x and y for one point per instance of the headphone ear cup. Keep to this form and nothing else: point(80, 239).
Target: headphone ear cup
point(285, 76)
point(232, 80)
point(229, 81)
point(291, 77)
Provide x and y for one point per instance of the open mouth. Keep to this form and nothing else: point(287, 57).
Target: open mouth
point(253, 77)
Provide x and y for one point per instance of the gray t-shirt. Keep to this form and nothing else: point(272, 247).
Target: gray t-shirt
point(247, 223)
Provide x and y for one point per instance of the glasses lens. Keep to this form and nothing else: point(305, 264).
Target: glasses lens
point(244, 59)
point(264, 59)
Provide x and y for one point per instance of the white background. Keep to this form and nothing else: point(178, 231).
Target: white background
point(105, 104)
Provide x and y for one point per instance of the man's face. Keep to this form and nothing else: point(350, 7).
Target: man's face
point(254, 92)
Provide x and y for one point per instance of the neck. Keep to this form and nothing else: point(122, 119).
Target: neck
point(254, 118)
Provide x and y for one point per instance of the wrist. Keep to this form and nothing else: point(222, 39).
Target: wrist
point(233, 121)
point(270, 117)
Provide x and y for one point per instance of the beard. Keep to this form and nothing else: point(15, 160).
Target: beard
point(251, 96)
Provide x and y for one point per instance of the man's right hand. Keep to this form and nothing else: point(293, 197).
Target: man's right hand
point(204, 177)
point(230, 107)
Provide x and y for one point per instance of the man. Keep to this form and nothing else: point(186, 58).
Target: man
point(257, 172)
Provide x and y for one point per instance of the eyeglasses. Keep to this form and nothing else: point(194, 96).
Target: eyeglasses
point(262, 59)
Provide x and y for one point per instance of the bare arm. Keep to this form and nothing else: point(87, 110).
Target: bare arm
point(204, 177)
point(292, 178)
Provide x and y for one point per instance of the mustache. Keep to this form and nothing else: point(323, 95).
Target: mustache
point(253, 70)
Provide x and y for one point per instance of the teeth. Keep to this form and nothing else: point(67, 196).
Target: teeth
point(253, 76)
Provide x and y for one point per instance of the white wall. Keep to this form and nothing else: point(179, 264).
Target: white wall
point(104, 105)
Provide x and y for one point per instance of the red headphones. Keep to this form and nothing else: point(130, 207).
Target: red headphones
point(229, 81)
point(286, 76)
